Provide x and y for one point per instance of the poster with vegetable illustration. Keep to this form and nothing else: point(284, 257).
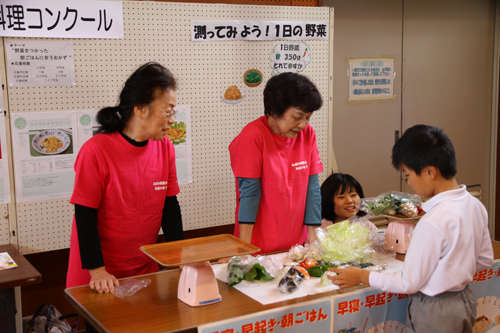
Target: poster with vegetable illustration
point(290, 57)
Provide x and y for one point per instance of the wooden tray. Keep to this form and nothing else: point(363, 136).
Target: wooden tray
point(198, 249)
point(403, 217)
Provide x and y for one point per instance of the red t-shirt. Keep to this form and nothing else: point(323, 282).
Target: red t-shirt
point(283, 166)
point(128, 186)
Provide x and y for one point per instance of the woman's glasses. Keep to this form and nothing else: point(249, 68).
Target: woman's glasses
point(168, 114)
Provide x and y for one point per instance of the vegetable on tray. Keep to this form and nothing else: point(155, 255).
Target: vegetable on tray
point(393, 203)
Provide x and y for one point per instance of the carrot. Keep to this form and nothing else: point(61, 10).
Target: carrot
point(304, 53)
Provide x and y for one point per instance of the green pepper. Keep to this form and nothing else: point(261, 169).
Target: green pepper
point(315, 271)
point(278, 56)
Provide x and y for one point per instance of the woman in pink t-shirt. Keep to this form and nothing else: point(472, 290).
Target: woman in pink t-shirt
point(126, 184)
point(275, 161)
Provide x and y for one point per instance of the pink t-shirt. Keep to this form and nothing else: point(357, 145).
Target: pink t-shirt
point(128, 186)
point(283, 166)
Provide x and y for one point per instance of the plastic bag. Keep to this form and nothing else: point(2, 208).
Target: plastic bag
point(392, 203)
point(56, 323)
point(130, 287)
point(345, 241)
point(352, 241)
point(313, 251)
point(289, 279)
point(251, 268)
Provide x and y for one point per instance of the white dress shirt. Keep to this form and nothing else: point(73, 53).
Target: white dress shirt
point(450, 243)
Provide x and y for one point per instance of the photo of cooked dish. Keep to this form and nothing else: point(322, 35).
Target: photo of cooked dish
point(232, 95)
point(50, 142)
point(177, 133)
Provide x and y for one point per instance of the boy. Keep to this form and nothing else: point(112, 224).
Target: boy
point(449, 245)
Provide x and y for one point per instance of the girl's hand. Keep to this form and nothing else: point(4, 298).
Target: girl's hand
point(101, 281)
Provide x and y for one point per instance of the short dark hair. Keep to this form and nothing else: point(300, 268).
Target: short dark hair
point(337, 183)
point(141, 88)
point(421, 146)
point(290, 89)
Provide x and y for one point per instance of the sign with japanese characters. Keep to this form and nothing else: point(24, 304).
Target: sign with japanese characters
point(371, 79)
point(485, 286)
point(370, 311)
point(290, 57)
point(305, 317)
point(35, 63)
point(45, 146)
point(61, 19)
point(218, 31)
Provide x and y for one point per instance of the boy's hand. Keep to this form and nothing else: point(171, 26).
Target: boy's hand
point(349, 276)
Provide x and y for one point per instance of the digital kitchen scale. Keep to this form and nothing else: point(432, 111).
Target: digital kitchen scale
point(197, 283)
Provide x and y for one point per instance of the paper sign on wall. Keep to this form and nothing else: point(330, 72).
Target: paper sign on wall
point(34, 63)
point(290, 57)
point(61, 19)
point(371, 79)
point(219, 31)
point(45, 149)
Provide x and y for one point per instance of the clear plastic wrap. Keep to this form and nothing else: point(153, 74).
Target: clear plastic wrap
point(352, 241)
point(251, 268)
point(289, 279)
point(309, 251)
point(130, 287)
point(392, 203)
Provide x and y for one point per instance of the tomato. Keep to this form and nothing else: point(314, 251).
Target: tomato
point(308, 263)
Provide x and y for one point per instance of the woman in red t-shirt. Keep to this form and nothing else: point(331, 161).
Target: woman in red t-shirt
point(275, 161)
point(126, 184)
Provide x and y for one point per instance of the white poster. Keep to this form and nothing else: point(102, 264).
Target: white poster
point(179, 133)
point(34, 63)
point(4, 165)
point(220, 30)
point(87, 125)
point(61, 19)
point(290, 57)
point(45, 147)
point(371, 79)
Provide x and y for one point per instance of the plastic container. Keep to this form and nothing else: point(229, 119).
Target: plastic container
point(398, 236)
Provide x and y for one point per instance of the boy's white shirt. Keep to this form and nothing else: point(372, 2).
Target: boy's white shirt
point(449, 245)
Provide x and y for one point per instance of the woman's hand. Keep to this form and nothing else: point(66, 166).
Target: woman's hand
point(101, 281)
point(311, 233)
point(349, 276)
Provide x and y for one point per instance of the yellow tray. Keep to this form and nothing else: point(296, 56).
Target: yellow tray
point(189, 251)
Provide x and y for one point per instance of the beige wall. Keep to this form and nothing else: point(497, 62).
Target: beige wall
point(444, 77)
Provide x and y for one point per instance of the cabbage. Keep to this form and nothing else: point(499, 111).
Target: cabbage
point(344, 241)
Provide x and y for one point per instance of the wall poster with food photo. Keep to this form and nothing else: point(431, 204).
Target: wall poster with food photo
point(45, 145)
point(87, 125)
point(180, 135)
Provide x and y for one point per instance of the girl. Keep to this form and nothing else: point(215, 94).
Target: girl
point(340, 199)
